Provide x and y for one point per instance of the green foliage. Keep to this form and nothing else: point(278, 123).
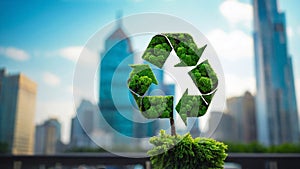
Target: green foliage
point(3, 147)
point(184, 152)
point(285, 148)
point(157, 51)
point(204, 77)
point(141, 78)
point(256, 147)
point(185, 48)
point(157, 106)
point(85, 149)
point(253, 147)
point(191, 106)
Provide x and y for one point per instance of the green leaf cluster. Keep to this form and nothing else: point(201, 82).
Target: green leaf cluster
point(141, 78)
point(157, 51)
point(157, 106)
point(185, 48)
point(184, 152)
point(191, 106)
point(204, 77)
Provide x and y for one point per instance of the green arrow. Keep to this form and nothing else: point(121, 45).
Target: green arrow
point(140, 79)
point(157, 51)
point(191, 106)
point(157, 106)
point(204, 77)
point(185, 48)
point(151, 107)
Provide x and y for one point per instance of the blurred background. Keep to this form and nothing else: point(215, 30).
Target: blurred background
point(256, 41)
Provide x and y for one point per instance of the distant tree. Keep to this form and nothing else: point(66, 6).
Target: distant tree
point(285, 148)
point(256, 147)
point(84, 149)
point(3, 147)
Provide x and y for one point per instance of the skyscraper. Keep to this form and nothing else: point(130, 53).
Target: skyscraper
point(242, 110)
point(115, 58)
point(48, 137)
point(17, 110)
point(79, 138)
point(277, 115)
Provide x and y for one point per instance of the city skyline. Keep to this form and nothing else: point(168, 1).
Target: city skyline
point(44, 44)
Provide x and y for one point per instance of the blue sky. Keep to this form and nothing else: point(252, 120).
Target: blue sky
point(43, 39)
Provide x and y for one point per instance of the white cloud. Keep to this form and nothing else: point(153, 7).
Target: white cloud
point(69, 89)
point(237, 85)
point(14, 53)
point(236, 12)
point(51, 79)
point(72, 52)
point(290, 31)
point(232, 45)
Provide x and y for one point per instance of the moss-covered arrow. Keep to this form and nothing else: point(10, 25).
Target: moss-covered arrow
point(185, 48)
point(157, 51)
point(140, 79)
point(204, 77)
point(157, 106)
point(191, 106)
point(183, 44)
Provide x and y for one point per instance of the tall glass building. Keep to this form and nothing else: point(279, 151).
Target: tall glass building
point(276, 105)
point(116, 57)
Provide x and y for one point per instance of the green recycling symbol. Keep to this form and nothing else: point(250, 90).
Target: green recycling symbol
point(157, 52)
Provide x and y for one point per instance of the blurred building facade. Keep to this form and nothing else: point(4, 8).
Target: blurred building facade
point(277, 115)
point(115, 58)
point(48, 137)
point(83, 125)
point(242, 109)
point(78, 138)
point(17, 112)
point(226, 130)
